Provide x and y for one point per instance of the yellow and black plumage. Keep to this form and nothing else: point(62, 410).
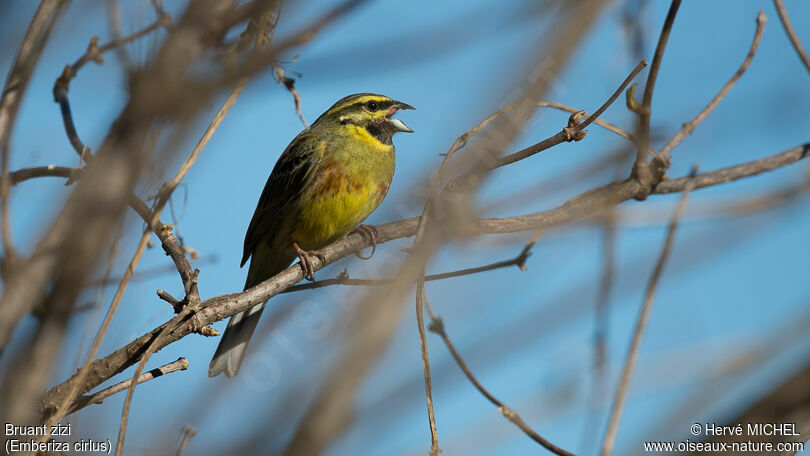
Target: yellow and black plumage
point(326, 182)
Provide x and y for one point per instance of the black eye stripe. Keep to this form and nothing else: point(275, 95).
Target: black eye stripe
point(347, 114)
point(380, 105)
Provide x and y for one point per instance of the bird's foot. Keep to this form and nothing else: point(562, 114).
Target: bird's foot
point(306, 262)
point(369, 234)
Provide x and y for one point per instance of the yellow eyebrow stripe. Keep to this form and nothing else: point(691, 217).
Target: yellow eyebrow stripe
point(360, 100)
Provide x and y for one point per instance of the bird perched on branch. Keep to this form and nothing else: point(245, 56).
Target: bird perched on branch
point(328, 180)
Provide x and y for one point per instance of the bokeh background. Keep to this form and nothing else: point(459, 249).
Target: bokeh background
point(731, 319)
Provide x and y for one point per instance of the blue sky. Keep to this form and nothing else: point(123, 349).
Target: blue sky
point(733, 285)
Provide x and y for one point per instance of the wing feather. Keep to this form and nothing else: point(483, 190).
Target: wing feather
point(290, 176)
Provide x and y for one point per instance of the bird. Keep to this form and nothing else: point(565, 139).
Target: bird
point(327, 181)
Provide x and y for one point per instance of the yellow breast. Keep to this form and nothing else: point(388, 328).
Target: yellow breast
point(337, 202)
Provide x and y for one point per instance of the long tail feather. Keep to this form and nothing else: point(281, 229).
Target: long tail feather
point(231, 349)
point(265, 263)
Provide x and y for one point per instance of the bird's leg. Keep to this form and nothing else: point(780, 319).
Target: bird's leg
point(306, 261)
point(369, 234)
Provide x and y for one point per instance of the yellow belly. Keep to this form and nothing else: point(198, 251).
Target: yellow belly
point(335, 207)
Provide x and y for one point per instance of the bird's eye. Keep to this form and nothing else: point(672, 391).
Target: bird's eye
point(372, 106)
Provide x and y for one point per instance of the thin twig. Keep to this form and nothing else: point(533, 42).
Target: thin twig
point(289, 84)
point(574, 131)
point(158, 6)
point(732, 173)
point(344, 279)
point(690, 126)
point(797, 44)
point(420, 231)
point(601, 325)
point(99, 298)
point(60, 91)
point(420, 322)
point(437, 326)
point(602, 123)
point(458, 144)
point(150, 349)
point(98, 398)
point(646, 308)
point(114, 19)
point(93, 53)
point(5, 224)
point(18, 77)
point(188, 275)
point(75, 174)
point(62, 409)
point(166, 190)
point(22, 175)
point(188, 433)
point(641, 170)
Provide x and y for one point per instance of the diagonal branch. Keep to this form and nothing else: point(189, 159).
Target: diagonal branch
point(573, 132)
point(733, 173)
point(437, 326)
point(797, 44)
point(690, 126)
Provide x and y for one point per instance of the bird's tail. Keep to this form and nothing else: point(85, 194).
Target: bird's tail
point(231, 349)
point(232, 346)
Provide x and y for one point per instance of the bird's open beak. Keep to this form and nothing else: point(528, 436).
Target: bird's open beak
point(398, 124)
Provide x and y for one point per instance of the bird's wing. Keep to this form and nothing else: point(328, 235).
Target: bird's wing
point(290, 177)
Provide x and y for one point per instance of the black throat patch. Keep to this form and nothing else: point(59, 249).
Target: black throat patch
point(383, 131)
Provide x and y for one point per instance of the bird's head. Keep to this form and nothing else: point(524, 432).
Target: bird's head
point(369, 111)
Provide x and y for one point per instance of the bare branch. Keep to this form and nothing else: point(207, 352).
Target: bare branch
point(188, 433)
point(98, 398)
point(27, 57)
point(797, 44)
point(617, 192)
point(344, 279)
point(690, 126)
point(641, 171)
point(733, 173)
point(93, 53)
point(646, 308)
point(602, 123)
point(420, 322)
point(437, 326)
point(62, 408)
point(574, 131)
point(188, 275)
